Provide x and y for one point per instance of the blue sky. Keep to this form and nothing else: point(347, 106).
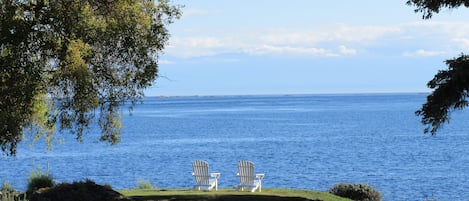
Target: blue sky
point(299, 47)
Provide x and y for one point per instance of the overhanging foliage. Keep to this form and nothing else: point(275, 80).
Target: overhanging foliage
point(61, 60)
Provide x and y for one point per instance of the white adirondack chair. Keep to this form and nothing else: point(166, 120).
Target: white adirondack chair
point(203, 178)
point(248, 178)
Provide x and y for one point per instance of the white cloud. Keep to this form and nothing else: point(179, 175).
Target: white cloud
point(166, 62)
point(188, 47)
point(347, 51)
point(454, 29)
point(300, 44)
point(285, 50)
point(423, 53)
point(463, 43)
point(365, 33)
point(204, 42)
point(289, 37)
point(300, 51)
point(323, 41)
point(342, 33)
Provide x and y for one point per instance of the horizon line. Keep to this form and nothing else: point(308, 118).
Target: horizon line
point(290, 94)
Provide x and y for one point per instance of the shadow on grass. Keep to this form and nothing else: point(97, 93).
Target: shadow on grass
point(218, 198)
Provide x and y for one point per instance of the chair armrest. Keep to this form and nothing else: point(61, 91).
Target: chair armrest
point(200, 175)
point(260, 176)
point(215, 174)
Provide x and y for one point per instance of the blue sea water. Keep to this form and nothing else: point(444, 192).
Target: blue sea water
point(298, 141)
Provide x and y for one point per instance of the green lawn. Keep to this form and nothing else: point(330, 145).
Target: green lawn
point(269, 194)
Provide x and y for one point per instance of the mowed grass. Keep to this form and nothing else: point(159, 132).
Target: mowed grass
point(268, 194)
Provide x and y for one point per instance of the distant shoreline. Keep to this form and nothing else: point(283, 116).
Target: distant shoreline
point(292, 94)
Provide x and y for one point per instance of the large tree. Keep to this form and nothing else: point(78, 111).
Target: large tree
point(67, 63)
point(451, 86)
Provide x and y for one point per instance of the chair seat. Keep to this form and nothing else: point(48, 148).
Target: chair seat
point(253, 186)
point(210, 185)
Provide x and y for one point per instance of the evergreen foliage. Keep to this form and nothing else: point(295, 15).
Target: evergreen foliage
point(429, 7)
point(450, 87)
point(450, 91)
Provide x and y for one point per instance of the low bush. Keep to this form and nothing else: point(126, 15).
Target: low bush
point(9, 193)
point(108, 186)
point(144, 184)
point(37, 180)
point(359, 192)
point(7, 188)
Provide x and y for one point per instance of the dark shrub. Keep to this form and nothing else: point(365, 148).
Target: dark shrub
point(86, 190)
point(359, 192)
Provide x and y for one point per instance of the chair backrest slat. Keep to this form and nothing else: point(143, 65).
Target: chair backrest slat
point(201, 174)
point(246, 172)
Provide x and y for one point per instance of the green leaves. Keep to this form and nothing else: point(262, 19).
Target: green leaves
point(82, 55)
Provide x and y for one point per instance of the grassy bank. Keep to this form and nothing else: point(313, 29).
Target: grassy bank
point(268, 194)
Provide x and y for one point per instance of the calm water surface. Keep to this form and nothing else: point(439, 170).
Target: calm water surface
point(298, 141)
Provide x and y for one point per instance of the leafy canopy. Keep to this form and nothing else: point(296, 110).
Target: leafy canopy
point(450, 87)
point(69, 62)
point(430, 7)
